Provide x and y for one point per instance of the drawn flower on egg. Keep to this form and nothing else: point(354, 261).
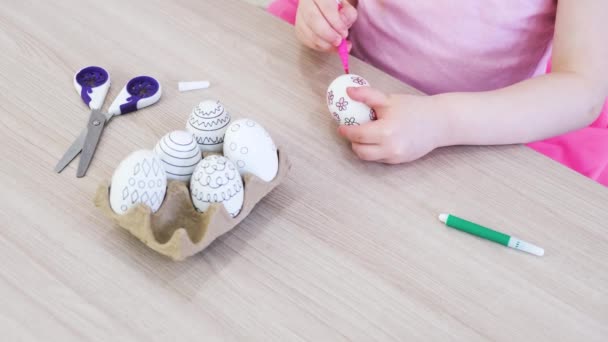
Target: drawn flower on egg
point(358, 80)
point(342, 104)
point(330, 97)
point(336, 116)
point(372, 114)
point(350, 121)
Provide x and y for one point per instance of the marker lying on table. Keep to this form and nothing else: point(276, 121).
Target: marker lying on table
point(195, 85)
point(489, 234)
point(343, 48)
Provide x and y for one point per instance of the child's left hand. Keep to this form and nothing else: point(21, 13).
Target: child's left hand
point(407, 128)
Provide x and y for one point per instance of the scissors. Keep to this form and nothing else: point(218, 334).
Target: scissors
point(93, 83)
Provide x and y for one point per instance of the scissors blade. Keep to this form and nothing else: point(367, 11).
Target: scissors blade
point(94, 129)
point(71, 152)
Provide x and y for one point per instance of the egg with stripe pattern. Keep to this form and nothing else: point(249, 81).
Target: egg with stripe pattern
point(208, 122)
point(179, 154)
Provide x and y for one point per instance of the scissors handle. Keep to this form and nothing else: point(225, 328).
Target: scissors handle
point(140, 92)
point(92, 83)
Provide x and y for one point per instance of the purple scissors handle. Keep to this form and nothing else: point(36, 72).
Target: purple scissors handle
point(93, 83)
point(140, 87)
point(139, 92)
point(89, 78)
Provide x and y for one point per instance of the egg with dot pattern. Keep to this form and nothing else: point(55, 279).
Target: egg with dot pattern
point(251, 148)
point(216, 180)
point(179, 153)
point(139, 178)
point(208, 122)
point(343, 109)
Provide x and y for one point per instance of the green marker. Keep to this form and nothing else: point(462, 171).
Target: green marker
point(489, 234)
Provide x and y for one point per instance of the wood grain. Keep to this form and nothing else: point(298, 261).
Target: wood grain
point(343, 250)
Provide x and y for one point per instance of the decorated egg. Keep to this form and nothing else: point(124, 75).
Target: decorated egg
point(343, 109)
point(139, 178)
point(216, 180)
point(179, 154)
point(251, 148)
point(208, 122)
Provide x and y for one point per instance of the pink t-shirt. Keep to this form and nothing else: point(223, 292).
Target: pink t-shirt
point(445, 45)
point(470, 45)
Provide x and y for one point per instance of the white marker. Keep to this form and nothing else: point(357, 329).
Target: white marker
point(187, 86)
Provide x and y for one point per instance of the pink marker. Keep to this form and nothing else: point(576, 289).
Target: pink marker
point(343, 48)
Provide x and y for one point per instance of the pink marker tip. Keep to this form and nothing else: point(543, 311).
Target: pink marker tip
point(343, 48)
point(343, 52)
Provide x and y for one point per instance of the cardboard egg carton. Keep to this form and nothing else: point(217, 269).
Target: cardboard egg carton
point(177, 229)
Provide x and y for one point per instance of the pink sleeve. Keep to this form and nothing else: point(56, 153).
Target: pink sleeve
point(284, 9)
point(582, 150)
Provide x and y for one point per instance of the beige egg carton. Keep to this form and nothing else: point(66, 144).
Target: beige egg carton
point(177, 230)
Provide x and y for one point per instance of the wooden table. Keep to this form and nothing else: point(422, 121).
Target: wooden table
point(343, 250)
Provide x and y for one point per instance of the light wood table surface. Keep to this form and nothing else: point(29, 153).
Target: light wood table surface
point(343, 250)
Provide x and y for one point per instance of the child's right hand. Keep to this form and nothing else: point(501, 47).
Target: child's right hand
point(321, 26)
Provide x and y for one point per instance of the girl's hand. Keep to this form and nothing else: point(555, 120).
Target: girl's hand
point(407, 128)
point(319, 24)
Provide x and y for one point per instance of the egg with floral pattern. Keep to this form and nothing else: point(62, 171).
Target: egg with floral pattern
point(343, 109)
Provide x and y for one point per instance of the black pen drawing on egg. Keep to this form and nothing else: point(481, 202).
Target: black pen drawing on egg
point(208, 122)
point(139, 178)
point(179, 154)
point(247, 147)
point(252, 149)
point(216, 180)
point(211, 168)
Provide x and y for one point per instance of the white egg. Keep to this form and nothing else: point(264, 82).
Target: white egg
point(251, 148)
point(216, 180)
point(343, 109)
point(208, 122)
point(179, 154)
point(139, 178)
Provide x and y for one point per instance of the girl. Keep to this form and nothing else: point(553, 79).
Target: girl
point(483, 62)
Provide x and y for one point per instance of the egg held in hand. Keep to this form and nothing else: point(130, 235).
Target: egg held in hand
point(343, 109)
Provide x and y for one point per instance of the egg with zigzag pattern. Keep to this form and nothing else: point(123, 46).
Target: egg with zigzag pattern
point(208, 122)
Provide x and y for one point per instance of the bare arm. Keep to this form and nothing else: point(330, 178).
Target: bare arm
point(568, 98)
point(410, 126)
